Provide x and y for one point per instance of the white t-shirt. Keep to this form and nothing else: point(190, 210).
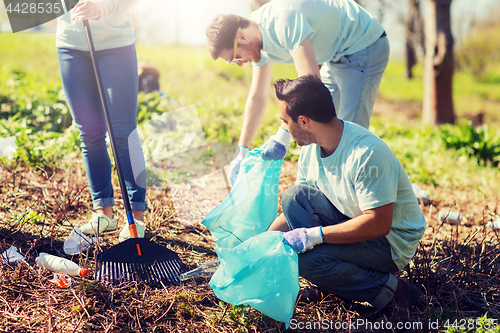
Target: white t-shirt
point(363, 173)
point(109, 32)
point(335, 27)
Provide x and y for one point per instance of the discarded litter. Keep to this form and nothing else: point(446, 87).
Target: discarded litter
point(206, 270)
point(494, 225)
point(59, 265)
point(420, 194)
point(61, 280)
point(8, 147)
point(449, 216)
point(77, 242)
point(11, 256)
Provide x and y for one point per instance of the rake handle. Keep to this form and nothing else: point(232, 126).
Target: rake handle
point(107, 117)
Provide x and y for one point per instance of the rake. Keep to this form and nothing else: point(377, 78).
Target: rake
point(135, 259)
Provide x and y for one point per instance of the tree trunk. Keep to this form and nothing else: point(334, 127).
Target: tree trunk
point(414, 36)
point(439, 64)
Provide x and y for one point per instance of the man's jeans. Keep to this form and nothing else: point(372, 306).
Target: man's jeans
point(118, 69)
point(357, 271)
point(353, 81)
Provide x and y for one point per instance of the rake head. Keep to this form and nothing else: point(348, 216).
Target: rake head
point(140, 260)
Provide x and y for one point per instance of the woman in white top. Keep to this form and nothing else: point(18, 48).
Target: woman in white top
point(114, 37)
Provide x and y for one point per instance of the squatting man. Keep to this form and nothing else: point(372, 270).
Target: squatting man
point(352, 215)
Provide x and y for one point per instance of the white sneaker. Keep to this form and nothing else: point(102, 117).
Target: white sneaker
point(125, 233)
point(98, 223)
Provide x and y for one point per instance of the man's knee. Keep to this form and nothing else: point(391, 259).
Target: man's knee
point(313, 263)
point(295, 194)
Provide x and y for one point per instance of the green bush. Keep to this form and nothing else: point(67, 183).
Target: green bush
point(476, 142)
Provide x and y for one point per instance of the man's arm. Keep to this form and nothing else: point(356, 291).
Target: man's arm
point(305, 60)
point(255, 106)
point(279, 224)
point(373, 223)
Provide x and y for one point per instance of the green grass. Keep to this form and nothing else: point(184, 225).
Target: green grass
point(470, 95)
point(425, 159)
point(30, 52)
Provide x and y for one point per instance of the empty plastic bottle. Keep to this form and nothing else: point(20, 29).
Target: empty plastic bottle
point(207, 269)
point(59, 265)
point(494, 225)
point(450, 216)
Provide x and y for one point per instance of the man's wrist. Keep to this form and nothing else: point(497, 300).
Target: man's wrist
point(242, 152)
point(315, 235)
point(283, 137)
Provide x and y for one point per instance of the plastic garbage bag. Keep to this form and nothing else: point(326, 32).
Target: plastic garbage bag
point(251, 206)
point(261, 272)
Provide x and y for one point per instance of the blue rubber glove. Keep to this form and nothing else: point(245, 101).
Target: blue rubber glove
point(303, 239)
point(277, 146)
point(234, 167)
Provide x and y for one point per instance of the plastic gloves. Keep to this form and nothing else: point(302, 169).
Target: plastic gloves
point(89, 10)
point(277, 146)
point(274, 149)
point(234, 167)
point(304, 239)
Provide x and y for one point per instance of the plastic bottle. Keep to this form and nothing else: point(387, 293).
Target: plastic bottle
point(450, 216)
point(207, 269)
point(420, 194)
point(59, 265)
point(494, 225)
point(424, 198)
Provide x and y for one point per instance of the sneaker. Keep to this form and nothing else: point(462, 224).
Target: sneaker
point(406, 296)
point(98, 223)
point(125, 233)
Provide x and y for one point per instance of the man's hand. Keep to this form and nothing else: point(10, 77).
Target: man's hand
point(88, 10)
point(277, 146)
point(234, 167)
point(304, 239)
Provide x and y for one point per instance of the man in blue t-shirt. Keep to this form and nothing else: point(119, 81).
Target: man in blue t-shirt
point(350, 44)
point(352, 214)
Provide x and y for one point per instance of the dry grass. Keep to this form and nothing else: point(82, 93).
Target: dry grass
point(456, 267)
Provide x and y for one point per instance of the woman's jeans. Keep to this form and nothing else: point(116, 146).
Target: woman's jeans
point(118, 69)
point(357, 271)
point(353, 81)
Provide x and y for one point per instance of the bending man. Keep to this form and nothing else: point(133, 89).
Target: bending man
point(339, 34)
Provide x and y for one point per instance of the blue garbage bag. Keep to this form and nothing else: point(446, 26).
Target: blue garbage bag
point(261, 272)
point(251, 206)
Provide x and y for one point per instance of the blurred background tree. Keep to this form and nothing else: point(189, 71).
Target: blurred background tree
point(439, 64)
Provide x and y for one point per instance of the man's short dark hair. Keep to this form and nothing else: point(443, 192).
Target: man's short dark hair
point(307, 96)
point(222, 31)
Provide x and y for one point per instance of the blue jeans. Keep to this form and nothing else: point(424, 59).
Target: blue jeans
point(357, 271)
point(118, 69)
point(353, 81)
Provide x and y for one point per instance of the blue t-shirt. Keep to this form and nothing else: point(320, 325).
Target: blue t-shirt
point(363, 173)
point(335, 27)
